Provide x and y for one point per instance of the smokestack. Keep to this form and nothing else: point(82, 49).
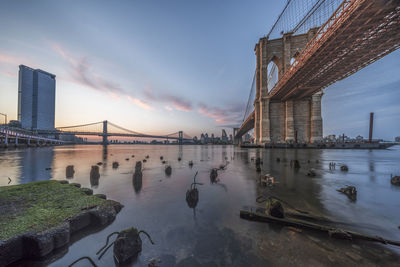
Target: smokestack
point(371, 125)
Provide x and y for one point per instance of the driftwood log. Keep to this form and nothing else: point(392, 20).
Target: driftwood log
point(257, 214)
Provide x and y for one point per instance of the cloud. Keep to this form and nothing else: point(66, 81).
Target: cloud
point(140, 103)
point(231, 114)
point(8, 73)
point(82, 73)
point(172, 101)
point(10, 59)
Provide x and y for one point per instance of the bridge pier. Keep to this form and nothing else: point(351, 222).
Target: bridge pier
point(284, 119)
point(6, 139)
point(180, 137)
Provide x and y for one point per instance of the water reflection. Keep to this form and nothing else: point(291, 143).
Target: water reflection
point(165, 212)
point(33, 164)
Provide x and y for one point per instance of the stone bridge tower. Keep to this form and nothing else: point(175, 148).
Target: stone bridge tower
point(279, 121)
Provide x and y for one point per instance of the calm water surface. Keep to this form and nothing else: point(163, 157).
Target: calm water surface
point(212, 234)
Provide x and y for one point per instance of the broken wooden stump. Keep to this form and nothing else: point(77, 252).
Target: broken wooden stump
point(168, 170)
point(69, 171)
point(94, 172)
point(294, 163)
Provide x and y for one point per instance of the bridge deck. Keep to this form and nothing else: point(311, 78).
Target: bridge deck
point(358, 34)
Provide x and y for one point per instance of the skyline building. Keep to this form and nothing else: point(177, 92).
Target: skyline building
point(36, 98)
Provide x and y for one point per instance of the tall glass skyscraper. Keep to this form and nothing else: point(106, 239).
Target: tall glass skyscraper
point(36, 98)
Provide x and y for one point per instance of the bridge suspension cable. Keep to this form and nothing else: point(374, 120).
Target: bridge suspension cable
point(126, 130)
point(78, 126)
point(299, 16)
point(251, 99)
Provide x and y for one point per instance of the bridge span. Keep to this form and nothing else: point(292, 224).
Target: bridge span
point(329, 42)
point(103, 129)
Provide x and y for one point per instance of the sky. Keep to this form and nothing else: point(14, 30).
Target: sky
point(157, 67)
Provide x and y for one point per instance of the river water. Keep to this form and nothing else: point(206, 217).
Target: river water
point(212, 234)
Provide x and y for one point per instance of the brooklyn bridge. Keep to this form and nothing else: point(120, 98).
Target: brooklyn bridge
point(312, 45)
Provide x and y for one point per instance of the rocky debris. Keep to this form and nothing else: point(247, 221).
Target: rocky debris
point(191, 163)
point(311, 173)
point(267, 180)
point(101, 196)
point(147, 156)
point(395, 180)
point(133, 156)
point(161, 158)
point(127, 245)
point(144, 160)
point(76, 185)
point(294, 229)
point(94, 172)
point(163, 162)
point(295, 164)
point(168, 170)
point(214, 174)
point(115, 164)
point(354, 256)
point(344, 168)
point(63, 182)
point(69, 171)
point(127, 159)
point(154, 262)
point(99, 163)
point(179, 159)
point(275, 208)
point(349, 191)
point(87, 191)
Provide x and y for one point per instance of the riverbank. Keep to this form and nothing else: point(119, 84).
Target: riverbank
point(39, 217)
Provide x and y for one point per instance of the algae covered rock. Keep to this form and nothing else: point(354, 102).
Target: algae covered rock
point(275, 208)
point(128, 244)
point(395, 180)
point(213, 174)
point(349, 191)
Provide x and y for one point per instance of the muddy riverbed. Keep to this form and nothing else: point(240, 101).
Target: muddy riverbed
point(212, 234)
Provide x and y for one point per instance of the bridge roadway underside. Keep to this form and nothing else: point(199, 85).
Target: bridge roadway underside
point(371, 31)
point(291, 112)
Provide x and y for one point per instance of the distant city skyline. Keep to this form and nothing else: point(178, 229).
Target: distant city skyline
point(158, 67)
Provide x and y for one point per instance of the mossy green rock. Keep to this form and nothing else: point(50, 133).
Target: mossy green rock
point(38, 217)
